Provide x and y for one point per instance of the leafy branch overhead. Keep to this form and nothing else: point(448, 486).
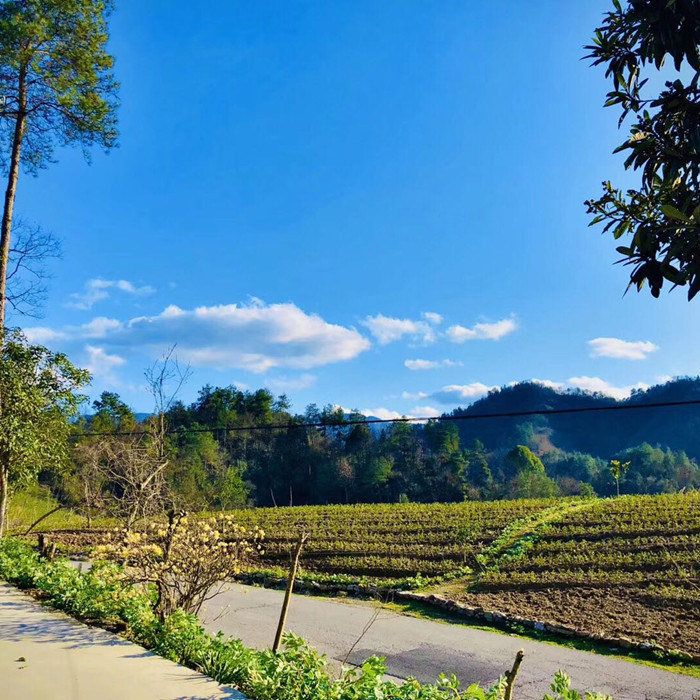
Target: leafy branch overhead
point(661, 217)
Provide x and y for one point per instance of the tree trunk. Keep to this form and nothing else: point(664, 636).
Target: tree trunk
point(5, 234)
point(4, 479)
point(10, 194)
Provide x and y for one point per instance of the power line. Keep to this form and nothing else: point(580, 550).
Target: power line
point(414, 419)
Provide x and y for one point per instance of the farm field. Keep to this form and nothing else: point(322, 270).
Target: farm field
point(620, 567)
point(387, 542)
point(617, 567)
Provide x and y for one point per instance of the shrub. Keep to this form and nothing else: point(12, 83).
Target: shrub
point(184, 561)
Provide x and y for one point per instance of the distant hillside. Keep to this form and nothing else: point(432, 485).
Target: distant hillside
point(598, 433)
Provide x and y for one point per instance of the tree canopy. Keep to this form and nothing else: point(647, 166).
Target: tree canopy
point(661, 216)
point(40, 388)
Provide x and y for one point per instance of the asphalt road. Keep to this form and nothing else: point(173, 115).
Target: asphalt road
point(424, 649)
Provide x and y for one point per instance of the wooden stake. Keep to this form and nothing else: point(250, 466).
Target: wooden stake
point(510, 675)
point(288, 591)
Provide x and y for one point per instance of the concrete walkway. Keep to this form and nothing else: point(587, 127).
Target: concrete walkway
point(45, 654)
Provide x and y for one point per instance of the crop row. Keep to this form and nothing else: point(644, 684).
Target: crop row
point(508, 580)
point(382, 566)
point(625, 561)
point(643, 543)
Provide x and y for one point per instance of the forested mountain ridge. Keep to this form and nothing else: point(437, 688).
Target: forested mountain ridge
point(599, 433)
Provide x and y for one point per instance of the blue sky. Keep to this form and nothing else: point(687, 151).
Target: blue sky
point(378, 205)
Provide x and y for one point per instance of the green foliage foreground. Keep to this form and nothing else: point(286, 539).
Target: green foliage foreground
point(296, 673)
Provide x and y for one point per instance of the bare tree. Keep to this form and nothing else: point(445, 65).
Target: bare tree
point(127, 473)
point(26, 274)
point(134, 476)
point(164, 380)
point(91, 477)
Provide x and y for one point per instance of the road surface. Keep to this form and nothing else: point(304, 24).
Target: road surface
point(45, 654)
point(424, 648)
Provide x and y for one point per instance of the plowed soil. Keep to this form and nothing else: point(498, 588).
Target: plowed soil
point(632, 613)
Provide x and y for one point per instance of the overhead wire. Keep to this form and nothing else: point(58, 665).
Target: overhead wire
point(406, 419)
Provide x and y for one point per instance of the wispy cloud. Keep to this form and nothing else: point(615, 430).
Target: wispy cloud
point(430, 364)
point(414, 395)
point(621, 349)
point(97, 290)
point(482, 331)
point(41, 334)
point(284, 384)
point(388, 330)
point(102, 365)
point(432, 317)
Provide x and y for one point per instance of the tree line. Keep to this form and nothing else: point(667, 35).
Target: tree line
point(212, 459)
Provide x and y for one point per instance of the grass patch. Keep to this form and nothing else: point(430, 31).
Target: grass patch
point(28, 505)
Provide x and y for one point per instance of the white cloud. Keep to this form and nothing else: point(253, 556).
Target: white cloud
point(388, 330)
point(101, 364)
point(596, 384)
point(253, 336)
point(430, 364)
point(389, 414)
point(417, 395)
point(99, 327)
point(96, 290)
point(456, 393)
point(621, 349)
point(284, 384)
point(432, 317)
point(558, 386)
point(41, 334)
point(425, 412)
point(482, 331)
point(382, 413)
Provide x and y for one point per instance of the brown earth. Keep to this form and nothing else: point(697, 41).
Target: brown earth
point(631, 613)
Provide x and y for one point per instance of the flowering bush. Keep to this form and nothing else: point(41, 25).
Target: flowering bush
point(185, 561)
